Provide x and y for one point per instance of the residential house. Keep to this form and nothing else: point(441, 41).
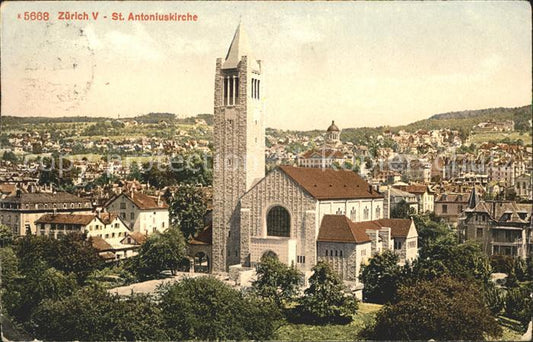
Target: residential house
point(20, 211)
point(140, 212)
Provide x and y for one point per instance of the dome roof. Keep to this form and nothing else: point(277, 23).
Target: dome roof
point(333, 127)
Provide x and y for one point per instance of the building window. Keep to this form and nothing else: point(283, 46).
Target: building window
point(278, 222)
point(365, 213)
point(479, 232)
point(300, 259)
point(326, 252)
point(132, 216)
point(444, 208)
point(353, 214)
point(339, 211)
point(378, 212)
point(397, 244)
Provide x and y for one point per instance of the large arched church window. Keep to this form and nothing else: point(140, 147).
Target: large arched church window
point(278, 222)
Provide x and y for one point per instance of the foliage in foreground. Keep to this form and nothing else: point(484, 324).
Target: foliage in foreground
point(207, 309)
point(443, 308)
point(325, 300)
point(276, 281)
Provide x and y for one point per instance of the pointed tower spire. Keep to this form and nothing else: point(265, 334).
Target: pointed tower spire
point(472, 200)
point(239, 47)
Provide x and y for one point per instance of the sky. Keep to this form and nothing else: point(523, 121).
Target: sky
point(358, 63)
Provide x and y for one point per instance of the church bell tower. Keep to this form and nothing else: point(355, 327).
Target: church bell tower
point(239, 141)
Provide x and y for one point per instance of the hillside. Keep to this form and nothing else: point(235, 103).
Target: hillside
point(466, 119)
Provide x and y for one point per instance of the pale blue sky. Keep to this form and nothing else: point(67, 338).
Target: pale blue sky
point(359, 63)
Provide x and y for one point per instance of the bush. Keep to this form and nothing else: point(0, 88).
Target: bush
point(276, 281)
point(325, 300)
point(381, 278)
point(519, 305)
point(443, 308)
point(205, 308)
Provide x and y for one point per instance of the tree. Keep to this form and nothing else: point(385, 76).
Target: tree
point(36, 285)
point(161, 251)
point(70, 253)
point(275, 280)
point(518, 304)
point(57, 170)
point(135, 172)
point(204, 308)
point(443, 308)
point(6, 236)
point(10, 157)
point(447, 257)
point(193, 169)
point(94, 314)
point(381, 278)
point(187, 209)
point(325, 300)
point(401, 210)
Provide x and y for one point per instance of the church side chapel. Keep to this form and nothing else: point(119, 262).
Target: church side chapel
point(299, 214)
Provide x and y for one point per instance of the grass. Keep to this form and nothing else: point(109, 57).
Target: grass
point(350, 332)
point(303, 332)
point(479, 138)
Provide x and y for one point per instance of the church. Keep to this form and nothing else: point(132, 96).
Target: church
point(299, 214)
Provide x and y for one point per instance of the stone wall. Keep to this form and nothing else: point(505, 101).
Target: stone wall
point(278, 189)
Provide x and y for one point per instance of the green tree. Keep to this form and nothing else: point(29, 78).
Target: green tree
point(135, 172)
point(494, 298)
point(70, 253)
point(204, 308)
point(6, 236)
point(518, 304)
point(10, 157)
point(443, 309)
point(401, 210)
point(447, 257)
point(92, 314)
point(36, 285)
point(160, 252)
point(381, 277)
point(325, 300)
point(58, 170)
point(276, 281)
point(195, 168)
point(187, 209)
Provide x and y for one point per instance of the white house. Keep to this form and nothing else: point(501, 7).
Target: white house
point(141, 213)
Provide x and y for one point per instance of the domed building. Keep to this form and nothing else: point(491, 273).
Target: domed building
point(333, 135)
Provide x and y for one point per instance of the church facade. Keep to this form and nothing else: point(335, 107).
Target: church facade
point(299, 214)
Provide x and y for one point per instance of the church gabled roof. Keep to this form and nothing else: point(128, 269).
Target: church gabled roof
point(239, 47)
point(325, 184)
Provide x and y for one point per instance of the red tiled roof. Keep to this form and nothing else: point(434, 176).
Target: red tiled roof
point(323, 153)
point(205, 237)
point(100, 244)
point(330, 183)
point(399, 227)
point(414, 188)
point(66, 219)
point(107, 218)
point(142, 201)
point(338, 228)
point(138, 237)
